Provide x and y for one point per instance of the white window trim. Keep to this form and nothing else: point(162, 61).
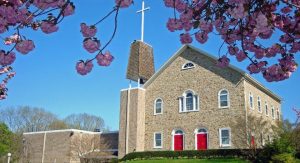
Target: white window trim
point(228, 99)
point(196, 140)
point(173, 134)
point(188, 67)
point(162, 106)
point(183, 97)
point(259, 100)
point(251, 96)
point(154, 140)
point(272, 112)
point(220, 137)
point(266, 113)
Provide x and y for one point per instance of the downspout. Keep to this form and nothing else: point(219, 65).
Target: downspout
point(246, 114)
point(44, 146)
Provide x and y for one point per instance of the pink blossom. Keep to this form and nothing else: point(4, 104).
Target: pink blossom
point(88, 31)
point(286, 10)
point(256, 67)
point(174, 24)
point(123, 3)
point(223, 62)
point(232, 50)
point(25, 46)
point(84, 68)
point(240, 56)
point(238, 12)
point(186, 38)
point(12, 39)
point(7, 59)
point(201, 37)
point(48, 27)
point(91, 45)
point(105, 59)
point(69, 10)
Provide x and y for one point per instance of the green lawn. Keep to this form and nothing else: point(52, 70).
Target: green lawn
point(190, 161)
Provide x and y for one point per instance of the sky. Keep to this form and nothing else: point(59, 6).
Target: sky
point(47, 78)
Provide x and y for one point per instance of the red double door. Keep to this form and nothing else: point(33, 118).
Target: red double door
point(202, 141)
point(178, 142)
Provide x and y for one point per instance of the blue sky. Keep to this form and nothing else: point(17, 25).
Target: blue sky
point(47, 78)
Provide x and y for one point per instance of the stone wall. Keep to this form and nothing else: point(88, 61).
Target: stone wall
point(206, 80)
point(132, 121)
point(263, 125)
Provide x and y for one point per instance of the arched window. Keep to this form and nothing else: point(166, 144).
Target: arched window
point(259, 104)
point(278, 114)
point(158, 106)
point(188, 65)
point(223, 99)
point(188, 102)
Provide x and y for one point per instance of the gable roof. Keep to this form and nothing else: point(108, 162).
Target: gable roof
point(243, 73)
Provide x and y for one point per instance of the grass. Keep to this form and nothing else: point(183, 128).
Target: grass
point(233, 160)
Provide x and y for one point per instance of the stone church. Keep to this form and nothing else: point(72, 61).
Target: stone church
point(188, 104)
point(191, 104)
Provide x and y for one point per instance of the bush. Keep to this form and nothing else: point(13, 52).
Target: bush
point(212, 153)
point(283, 158)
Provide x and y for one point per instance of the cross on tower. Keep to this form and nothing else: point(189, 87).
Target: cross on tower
point(143, 15)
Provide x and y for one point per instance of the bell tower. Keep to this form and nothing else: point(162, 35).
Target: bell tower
point(140, 68)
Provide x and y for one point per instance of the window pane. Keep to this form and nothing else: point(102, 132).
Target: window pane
point(225, 136)
point(224, 103)
point(223, 97)
point(158, 143)
point(223, 92)
point(178, 132)
point(158, 110)
point(189, 101)
point(158, 136)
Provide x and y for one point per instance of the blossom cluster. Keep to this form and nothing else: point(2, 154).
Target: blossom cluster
point(245, 26)
point(16, 15)
point(92, 44)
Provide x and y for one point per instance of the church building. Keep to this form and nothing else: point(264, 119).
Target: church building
point(191, 104)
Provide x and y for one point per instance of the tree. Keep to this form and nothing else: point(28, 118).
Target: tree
point(245, 26)
point(5, 139)
point(27, 119)
point(84, 122)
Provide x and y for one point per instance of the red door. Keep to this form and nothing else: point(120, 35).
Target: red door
point(178, 142)
point(201, 141)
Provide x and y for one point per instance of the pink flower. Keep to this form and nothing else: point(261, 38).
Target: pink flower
point(286, 10)
point(104, 59)
point(7, 59)
point(232, 50)
point(69, 10)
point(48, 27)
point(84, 68)
point(186, 38)
point(240, 56)
point(25, 46)
point(91, 45)
point(223, 62)
point(201, 37)
point(257, 67)
point(238, 12)
point(12, 39)
point(174, 24)
point(123, 3)
point(88, 31)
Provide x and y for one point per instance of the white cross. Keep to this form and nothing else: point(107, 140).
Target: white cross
point(143, 15)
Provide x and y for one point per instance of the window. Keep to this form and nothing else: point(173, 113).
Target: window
point(158, 106)
point(188, 102)
point(266, 109)
point(157, 140)
point(278, 114)
point(224, 137)
point(251, 100)
point(262, 141)
point(273, 112)
point(188, 65)
point(259, 104)
point(223, 99)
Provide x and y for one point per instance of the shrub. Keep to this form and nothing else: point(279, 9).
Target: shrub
point(212, 153)
point(283, 158)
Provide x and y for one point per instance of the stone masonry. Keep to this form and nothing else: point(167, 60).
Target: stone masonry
point(206, 80)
